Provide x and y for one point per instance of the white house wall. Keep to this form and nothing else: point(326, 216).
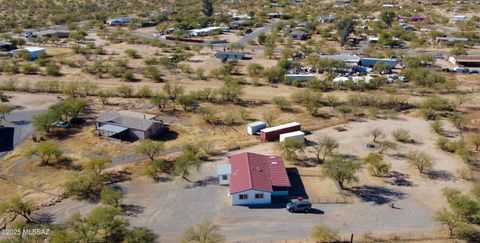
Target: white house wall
point(267, 198)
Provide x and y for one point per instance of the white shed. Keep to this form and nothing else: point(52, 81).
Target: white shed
point(293, 136)
point(254, 127)
point(223, 172)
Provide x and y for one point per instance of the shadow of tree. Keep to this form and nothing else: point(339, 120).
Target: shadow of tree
point(44, 218)
point(117, 176)
point(163, 179)
point(132, 210)
point(376, 194)
point(67, 163)
point(398, 179)
point(166, 135)
point(63, 133)
point(211, 180)
point(441, 175)
point(21, 123)
point(399, 155)
point(307, 162)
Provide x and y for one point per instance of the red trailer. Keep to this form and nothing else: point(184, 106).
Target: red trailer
point(273, 133)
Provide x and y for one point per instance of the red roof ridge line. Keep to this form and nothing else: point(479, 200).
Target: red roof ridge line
point(250, 180)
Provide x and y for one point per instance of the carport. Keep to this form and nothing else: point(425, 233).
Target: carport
point(112, 131)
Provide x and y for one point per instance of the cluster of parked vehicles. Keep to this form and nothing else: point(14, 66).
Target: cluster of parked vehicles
point(461, 70)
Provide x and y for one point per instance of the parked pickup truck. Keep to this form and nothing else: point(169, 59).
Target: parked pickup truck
point(299, 205)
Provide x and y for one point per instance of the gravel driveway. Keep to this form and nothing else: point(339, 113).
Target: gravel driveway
point(21, 121)
point(170, 207)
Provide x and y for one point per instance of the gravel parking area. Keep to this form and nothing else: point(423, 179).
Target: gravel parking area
point(170, 207)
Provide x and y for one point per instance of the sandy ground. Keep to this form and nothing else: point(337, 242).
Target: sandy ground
point(170, 207)
point(353, 142)
point(25, 107)
point(29, 101)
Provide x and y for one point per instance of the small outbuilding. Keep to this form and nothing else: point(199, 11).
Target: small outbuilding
point(33, 52)
point(458, 18)
point(297, 136)
point(224, 171)
point(441, 39)
point(299, 35)
point(228, 55)
point(255, 127)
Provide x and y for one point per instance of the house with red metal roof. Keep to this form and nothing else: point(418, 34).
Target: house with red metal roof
point(255, 178)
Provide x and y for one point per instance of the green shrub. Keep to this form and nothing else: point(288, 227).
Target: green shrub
point(402, 135)
point(29, 69)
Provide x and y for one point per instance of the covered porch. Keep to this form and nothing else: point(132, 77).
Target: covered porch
point(113, 131)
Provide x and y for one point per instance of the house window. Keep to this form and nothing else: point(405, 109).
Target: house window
point(224, 177)
point(258, 195)
point(243, 196)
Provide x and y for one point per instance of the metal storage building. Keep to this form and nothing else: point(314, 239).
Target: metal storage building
point(226, 55)
point(298, 136)
point(370, 62)
point(255, 127)
point(33, 52)
point(273, 133)
point(466, 61)
point(450, 39)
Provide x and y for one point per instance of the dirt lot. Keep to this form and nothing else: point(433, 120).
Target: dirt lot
point(25, 106)
point(30, 101)
point(167, 208)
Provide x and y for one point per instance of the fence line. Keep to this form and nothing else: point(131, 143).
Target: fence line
point(56, 45)
point(330, 200)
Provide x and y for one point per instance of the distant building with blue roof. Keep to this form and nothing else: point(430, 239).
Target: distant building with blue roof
point(33, 52)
